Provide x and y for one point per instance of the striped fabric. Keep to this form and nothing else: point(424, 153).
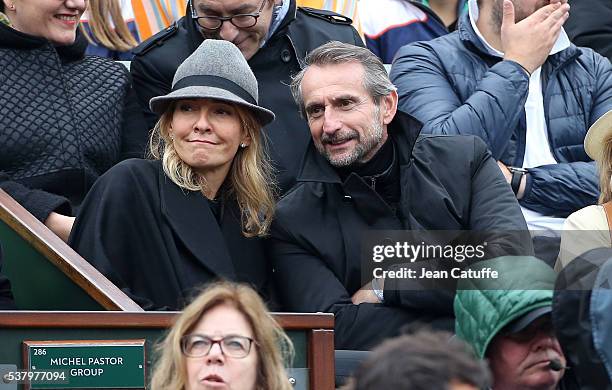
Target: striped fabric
point(153, 16)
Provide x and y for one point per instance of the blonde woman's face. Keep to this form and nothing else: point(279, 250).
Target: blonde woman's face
point(218, 369)
point(55, 20)
point(207, 134)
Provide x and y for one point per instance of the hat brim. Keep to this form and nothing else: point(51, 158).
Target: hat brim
point(159, 104)
point(597, 134)
point(524, 321)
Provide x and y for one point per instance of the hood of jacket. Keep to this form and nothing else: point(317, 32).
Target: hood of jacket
point(483, 307)
point(13, 39)
point(582, 316)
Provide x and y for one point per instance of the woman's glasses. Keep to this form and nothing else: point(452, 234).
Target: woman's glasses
point(198, 345)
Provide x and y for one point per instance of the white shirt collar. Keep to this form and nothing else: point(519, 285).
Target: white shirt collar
point(562, 42)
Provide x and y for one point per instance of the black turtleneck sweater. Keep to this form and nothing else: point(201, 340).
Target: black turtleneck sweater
point(381, 173)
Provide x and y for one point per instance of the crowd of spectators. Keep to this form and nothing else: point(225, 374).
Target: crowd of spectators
point(268, 144)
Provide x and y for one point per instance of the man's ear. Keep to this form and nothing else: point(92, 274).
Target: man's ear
point(389, 107)
point(8, 5)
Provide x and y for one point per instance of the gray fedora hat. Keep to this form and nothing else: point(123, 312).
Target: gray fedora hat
point(216, 70)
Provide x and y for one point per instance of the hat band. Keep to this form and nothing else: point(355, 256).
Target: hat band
point(216, 82)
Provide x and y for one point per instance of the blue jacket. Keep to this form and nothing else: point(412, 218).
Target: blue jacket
point(454, 86)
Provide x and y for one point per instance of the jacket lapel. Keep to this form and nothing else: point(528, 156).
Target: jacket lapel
point(189, 216)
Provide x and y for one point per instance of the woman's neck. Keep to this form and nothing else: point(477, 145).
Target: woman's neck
point(214, 180)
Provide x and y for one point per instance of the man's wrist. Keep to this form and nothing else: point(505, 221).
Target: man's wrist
point(518, 181)
point(377, 289)
point(525, 69)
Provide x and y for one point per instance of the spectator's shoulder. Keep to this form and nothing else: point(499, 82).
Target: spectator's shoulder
point(299, 209)
point(134, 171)
point(324, 15)
point(445, 44)
point(592, 59)
point(300, 198)
point(157, 40)
point(454, 150)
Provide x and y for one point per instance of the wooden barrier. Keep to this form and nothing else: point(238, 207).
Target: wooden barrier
point(312, 335)
point(45, 273)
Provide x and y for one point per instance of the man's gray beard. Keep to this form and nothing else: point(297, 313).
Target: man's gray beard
point(367, 143)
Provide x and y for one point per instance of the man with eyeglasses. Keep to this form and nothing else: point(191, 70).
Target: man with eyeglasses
point(273, 35)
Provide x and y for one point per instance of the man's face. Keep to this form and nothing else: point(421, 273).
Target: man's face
point(248, 39)
point(346, 125)
point(520, 360)
point(522, 9)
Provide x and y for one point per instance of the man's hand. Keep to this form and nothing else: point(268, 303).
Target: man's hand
point(530, 41)
point(60, 225)
point(365, 295)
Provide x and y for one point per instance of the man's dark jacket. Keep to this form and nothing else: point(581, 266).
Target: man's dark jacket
point(447, 183)
point(301, 31)
point(454, 86)
point(590, 25)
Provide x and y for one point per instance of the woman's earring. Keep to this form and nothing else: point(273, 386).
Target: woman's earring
point(171, 136)
point(243, 145)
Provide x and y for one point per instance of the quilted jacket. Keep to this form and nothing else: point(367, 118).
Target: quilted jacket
point(454, 86)
point(485, 306)
point(64, 120)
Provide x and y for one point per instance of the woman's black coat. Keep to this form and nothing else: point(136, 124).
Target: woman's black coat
point(160, 243)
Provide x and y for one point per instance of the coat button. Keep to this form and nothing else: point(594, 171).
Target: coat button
point(286, 55)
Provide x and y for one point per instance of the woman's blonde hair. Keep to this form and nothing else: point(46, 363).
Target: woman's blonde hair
point(605, 171)
point(117, 38)
point(273, 345)
point(251, 179)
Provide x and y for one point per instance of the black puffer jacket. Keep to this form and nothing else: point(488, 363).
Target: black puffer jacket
point(300, 32)
point(64, 120)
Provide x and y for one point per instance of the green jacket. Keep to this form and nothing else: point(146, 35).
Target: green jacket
point(485, 306)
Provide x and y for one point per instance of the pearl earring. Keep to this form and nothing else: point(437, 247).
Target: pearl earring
point(243, 145)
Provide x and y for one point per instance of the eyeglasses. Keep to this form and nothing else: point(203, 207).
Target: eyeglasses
point(215, 22)
point(197, 345)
